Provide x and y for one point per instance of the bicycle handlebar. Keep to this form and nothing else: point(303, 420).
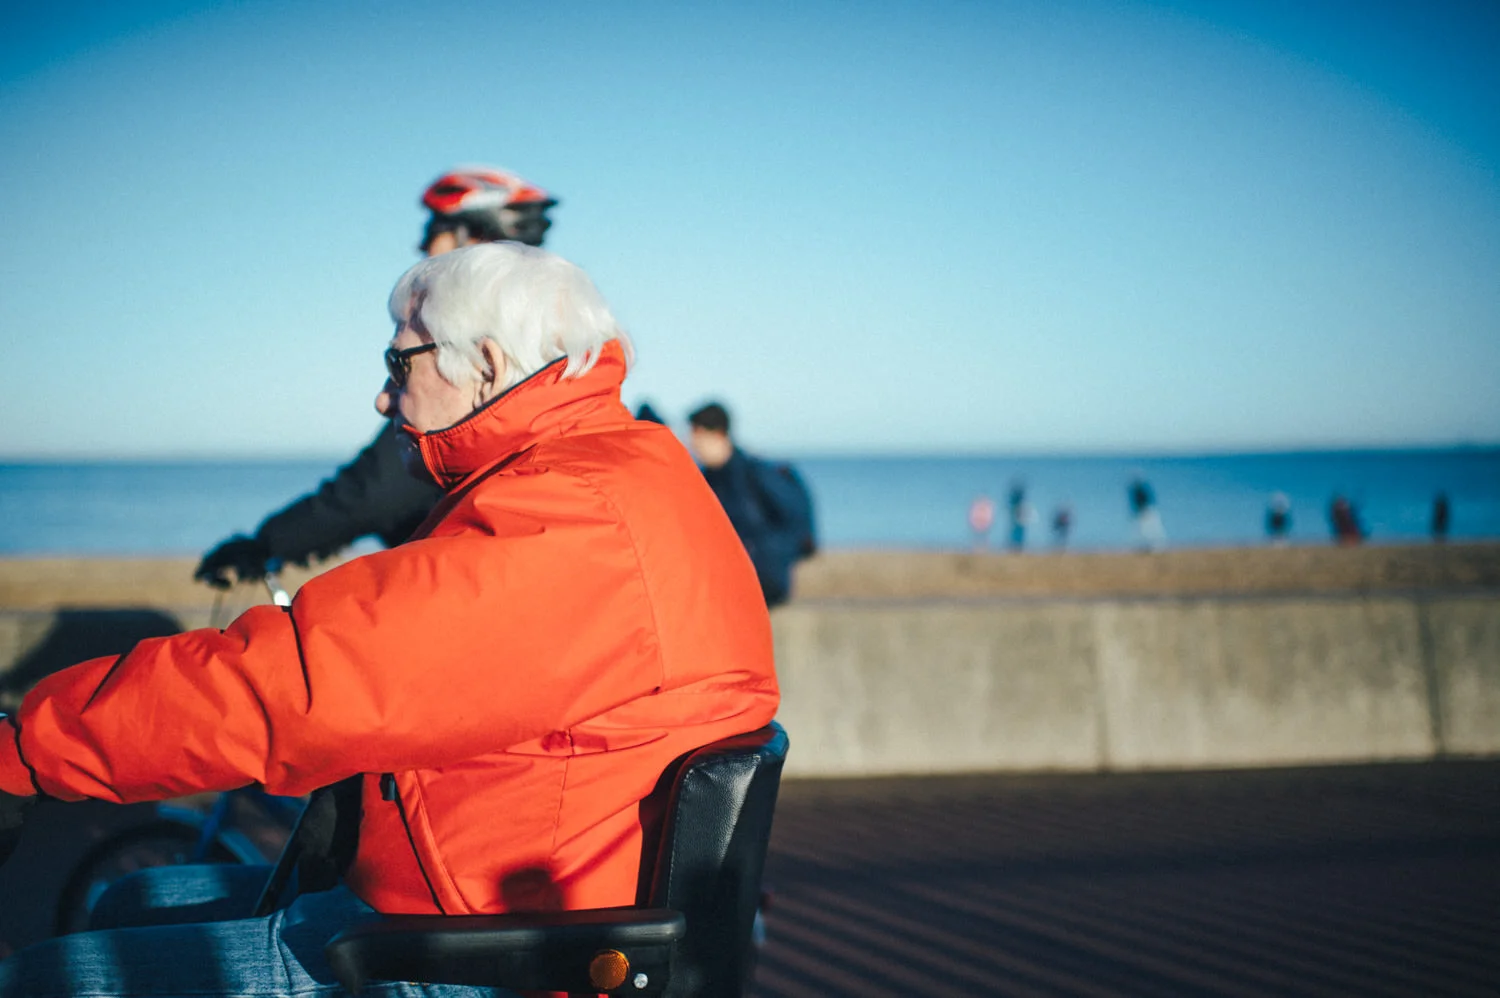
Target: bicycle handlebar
point(272, 581)
point(279, 595)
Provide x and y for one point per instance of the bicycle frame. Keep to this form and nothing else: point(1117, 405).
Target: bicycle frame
point(216, 825)
point(246, 825)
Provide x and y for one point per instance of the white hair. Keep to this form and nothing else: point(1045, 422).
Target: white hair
point(537, 306)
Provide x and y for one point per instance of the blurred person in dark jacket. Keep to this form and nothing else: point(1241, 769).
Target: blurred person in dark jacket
point(1279, 519)
point(1062, 525)
point(1343, 517)
point(767, 502)
point(375, 495)
point(1442, 517)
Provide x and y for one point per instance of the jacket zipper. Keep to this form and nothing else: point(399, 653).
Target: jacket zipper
point(389, 791)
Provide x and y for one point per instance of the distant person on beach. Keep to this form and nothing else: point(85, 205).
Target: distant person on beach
point(1062, 525)
point(1344, 519)
point(1442, 516)
point(374, 494)
point(981, 520)
point(1150, 533)
point(766, 501)
point(1021, 515)
point(1278, 519)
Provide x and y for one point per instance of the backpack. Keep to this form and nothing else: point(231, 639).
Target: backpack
point(792, 504)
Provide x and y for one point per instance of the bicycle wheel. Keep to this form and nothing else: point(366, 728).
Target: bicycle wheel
point(161, 843)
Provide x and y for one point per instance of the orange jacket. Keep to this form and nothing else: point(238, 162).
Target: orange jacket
point(575, 614)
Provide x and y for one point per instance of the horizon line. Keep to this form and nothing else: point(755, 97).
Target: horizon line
point(1187, 451)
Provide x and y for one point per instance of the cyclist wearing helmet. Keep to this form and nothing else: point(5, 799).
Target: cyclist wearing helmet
point(374, 494)
point(480, 205)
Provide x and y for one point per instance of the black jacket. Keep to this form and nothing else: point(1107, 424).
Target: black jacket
point(373, 494)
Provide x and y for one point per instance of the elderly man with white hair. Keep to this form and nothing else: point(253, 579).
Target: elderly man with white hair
point(507, 686)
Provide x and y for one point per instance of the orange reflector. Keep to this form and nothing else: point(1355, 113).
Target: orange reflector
point(608, 968)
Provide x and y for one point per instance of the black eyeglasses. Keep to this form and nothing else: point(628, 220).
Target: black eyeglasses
point(398, 362)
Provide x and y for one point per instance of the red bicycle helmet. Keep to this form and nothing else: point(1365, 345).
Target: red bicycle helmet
point(487, 204)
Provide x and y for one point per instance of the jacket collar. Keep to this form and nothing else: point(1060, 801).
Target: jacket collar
point(544, 405)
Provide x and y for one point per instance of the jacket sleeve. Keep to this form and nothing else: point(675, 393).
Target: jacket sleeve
point(373, 494)
point(428, 654)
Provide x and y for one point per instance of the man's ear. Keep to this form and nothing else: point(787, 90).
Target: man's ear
point(493, 375)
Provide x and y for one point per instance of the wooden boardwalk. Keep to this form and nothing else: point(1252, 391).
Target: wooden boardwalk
point(1361, 881)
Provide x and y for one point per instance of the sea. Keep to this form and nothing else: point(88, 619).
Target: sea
point(912, 502)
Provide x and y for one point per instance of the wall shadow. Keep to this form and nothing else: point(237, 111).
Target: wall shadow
point(80, 634)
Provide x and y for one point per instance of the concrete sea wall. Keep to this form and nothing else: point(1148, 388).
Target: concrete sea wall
point(873, 687)
point(913, 662)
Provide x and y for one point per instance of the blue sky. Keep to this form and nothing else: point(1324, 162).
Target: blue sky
point(877, 227)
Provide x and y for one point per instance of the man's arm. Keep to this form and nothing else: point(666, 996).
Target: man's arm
point(404, 659)
point(373, 494)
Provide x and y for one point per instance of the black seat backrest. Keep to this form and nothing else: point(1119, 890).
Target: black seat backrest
point(712, 851)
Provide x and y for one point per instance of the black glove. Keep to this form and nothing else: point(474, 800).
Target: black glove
point(12, 816)
point(246, 556)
